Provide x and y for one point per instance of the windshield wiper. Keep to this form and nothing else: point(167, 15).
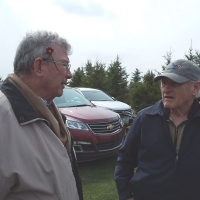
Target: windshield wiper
point(80, 105)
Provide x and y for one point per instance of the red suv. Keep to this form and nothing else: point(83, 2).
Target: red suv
point(97, 132)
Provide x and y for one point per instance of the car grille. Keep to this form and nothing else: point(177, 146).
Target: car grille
point(109, 146)
point(87, 147)
point(125, 112)
point(105, 127)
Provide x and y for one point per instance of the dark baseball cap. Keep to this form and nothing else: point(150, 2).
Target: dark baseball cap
point(180, 71)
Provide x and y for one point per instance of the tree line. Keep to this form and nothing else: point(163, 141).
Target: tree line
point(141, 91)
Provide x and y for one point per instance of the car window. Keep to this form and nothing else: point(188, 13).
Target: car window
point(71, 98)
point(97, 96)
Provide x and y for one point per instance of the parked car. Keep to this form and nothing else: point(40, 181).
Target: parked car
point(97, 132)
point(100, 98)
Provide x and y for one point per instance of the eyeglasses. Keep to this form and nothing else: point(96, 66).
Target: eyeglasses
point(66, 65)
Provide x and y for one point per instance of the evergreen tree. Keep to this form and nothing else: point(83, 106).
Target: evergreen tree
point(197, 58)
point(168, 59)
point(117, 81)
point(190, 56)
point(193, 56)
point(136, 77)
point(98, 79)
point(153, 88)
point(95, 75)
point(145, 93)
point(77, 78)
point(89, 71)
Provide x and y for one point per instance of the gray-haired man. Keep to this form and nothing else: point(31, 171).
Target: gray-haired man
point(37, 160)
point(164, 142)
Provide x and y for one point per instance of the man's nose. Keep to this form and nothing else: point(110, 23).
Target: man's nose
point(68, 74)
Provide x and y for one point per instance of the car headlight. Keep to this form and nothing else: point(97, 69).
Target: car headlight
point(120, 120)
point(74, 124)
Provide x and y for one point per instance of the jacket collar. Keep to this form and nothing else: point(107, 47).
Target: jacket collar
point(158, 108)
point(23, 110)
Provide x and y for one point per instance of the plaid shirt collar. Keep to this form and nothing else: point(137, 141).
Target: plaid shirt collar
point(45, 102)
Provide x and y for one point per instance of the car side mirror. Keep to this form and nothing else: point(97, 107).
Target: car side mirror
point(114, 98)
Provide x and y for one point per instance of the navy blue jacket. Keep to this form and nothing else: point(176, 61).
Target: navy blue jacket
point(149, 147)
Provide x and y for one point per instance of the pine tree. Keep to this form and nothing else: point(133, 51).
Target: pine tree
point(136, 76)
point(168, 59)
point(77, 78)
point(145, 93)
point(117, 81)
point(190, 56)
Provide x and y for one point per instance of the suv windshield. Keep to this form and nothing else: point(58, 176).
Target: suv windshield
point(96, 96)
point(71, 98)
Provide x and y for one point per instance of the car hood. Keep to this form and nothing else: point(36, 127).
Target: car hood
point(114, 105)
point(89, 114)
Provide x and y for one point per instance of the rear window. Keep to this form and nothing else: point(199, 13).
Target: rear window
point(96, 96)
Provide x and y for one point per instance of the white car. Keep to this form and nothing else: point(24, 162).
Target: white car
point(100, 98)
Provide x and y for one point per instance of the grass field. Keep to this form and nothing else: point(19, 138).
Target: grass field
point(98, 179)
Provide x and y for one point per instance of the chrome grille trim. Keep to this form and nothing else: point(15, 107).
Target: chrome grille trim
point(103, 128)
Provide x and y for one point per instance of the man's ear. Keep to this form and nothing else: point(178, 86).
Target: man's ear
point(196, 87)
point(37, 66)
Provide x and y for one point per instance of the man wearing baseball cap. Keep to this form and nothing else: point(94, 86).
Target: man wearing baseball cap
point(163, 142)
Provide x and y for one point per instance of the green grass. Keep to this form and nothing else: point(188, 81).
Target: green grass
point(98, 179)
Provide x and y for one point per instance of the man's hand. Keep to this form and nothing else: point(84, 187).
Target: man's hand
point(130, 198)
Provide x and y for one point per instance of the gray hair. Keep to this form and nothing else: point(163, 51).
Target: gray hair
point(198, 93)
point(34, 45)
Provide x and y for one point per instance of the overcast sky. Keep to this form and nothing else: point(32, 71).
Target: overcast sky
point(140, 32)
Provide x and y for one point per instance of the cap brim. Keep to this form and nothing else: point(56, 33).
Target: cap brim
point(174, 77)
